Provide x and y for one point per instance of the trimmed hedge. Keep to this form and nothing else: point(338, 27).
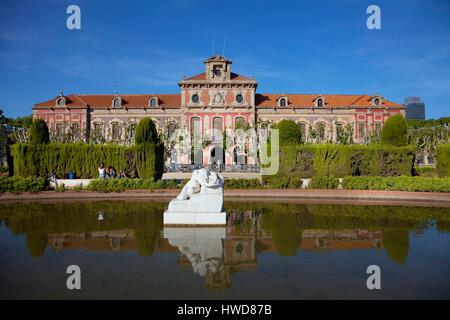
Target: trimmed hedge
point(18, 184)
point(143, 161)
point(242, 184)
point(443, 160)
point(39, 132)
point(403, 183)
point(322, 182)
point(306, 161)
point(119, 185)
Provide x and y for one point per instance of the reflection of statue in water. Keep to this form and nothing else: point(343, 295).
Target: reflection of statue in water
point(205, 255)
point(204, 248)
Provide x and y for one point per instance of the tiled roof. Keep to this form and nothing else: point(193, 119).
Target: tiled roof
point(270, 100)
point(234, 76)
point(263, 100)
point(105, 100)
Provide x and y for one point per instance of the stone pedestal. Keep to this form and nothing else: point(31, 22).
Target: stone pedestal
point(190, 219)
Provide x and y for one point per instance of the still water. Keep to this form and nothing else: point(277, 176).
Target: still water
point(267, 251)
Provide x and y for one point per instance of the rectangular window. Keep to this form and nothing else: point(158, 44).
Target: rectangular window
point(59, 129)
point(217, 129)
point(362, 131)
point(321, 132)
point(378, 130)
point(195, 127)
point(303, 131)
point(115, 131)
point(339, 131)
point(76, 132)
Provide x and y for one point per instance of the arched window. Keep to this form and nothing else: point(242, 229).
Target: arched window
point(320, 102)
point(339, 131)
point(239, 123)
point(170, 129)
point(76, 132)
point(153, 102)
point(283, 102)
point(116, 131)
point(195, 127)
point(302, 127)
point(321, 131)
point(376, 101)
point(117, 103)
point(217, 129)
point(264, 130)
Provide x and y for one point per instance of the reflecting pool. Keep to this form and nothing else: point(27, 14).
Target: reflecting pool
point(266, 251)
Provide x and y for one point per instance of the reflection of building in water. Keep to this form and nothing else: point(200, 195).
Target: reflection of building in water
point(116, 240)
point(217, 253)
point(340, 240)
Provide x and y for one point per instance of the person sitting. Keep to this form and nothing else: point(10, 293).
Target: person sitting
point(102, 171)
point(71, 175)
point(122, 174)
point(111, 172)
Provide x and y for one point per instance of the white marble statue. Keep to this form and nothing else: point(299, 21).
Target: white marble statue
point(200, 197)
point(202, 181)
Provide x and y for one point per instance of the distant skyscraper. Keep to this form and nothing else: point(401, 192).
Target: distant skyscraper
point(415, 109)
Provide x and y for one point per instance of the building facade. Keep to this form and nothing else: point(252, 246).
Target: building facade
point(214, 101)
point(415, 109)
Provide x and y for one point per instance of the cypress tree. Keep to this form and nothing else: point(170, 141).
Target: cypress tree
point(39, 133)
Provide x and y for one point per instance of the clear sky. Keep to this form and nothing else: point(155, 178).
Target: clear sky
point(317, 46)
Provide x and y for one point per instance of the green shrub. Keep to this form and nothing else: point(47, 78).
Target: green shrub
point(60, 187)
point(18, 184)
point(323, 182)
point(146, 132)
point(39, 132)
point(78, 187)
point(283, 182)
point(394, 131)
point(443, 160)
point(143, 161)
point(119, 185)
point(403, 183)
point(332, 160)
point(289, 132)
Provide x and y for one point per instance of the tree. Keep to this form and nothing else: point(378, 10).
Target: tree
point(394, 131)
point(36, 243)
point(396, 243)
point(2, 117)
point(146, 132)
point(39, 133)
point(289, 132)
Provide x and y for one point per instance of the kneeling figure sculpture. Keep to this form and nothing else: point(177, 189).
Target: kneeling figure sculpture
point(199, 202)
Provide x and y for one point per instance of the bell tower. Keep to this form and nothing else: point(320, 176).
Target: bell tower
point(218, 68)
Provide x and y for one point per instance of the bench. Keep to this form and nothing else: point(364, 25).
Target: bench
point(69, 183)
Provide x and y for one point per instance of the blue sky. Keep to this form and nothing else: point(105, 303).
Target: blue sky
point(289, 46)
